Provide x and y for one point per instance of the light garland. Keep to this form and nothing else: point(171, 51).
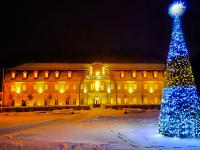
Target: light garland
point(180, 109)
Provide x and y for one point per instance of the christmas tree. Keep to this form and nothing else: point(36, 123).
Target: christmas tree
point(180, 109)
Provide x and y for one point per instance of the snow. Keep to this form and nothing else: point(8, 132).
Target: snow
point(87, 130)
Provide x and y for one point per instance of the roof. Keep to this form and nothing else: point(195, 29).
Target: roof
point(86, 66)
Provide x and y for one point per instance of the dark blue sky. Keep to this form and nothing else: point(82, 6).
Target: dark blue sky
point(87, 31)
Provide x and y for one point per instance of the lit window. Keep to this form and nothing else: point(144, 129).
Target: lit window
point(97, 73)
point(74, 87)
point(35, 74)
point(35, 86)
point(135, 86)
point(46, 86)
point(67, 86)
point(145, 86)
point(81, 86)
point(18, 87)
point(102, 87)
point(69, 74)
point(112, 101)
point(92, 86)
point(134, 100)
point(97, 85)
point(155, 74)
point(125, 86)
point(112, 86)
point(24, 75)
point(144, 74)
point(24, 87)
point(118, 86)
point(151, 88)
point(12, 88)
point(46, 74)
point(119, 100)
point(156, 86)
point(122, 74)
point(145, 100)
point(56, 86)
point(13, 74)
point(125, 100)
point(103, 70)
point(134, 74)
point(57, 74)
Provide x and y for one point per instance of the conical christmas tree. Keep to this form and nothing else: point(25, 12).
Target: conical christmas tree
point(180, 109)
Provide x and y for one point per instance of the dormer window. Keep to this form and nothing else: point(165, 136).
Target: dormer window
point(155, 74)
point(13, 74)
point(69, 74)
point(145, 74)
point(57, 74)
point(35, 74)
point(134, 74)
point(24, 75)
point(46, 74)
point(122, 74)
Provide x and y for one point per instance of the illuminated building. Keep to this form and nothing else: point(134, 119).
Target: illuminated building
point(96, 84)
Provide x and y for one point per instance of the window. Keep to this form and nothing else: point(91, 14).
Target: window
point(74, 86)
point(118, 100)
point(57, 74)
point(69, 74)
point(24, 75)
point(46, 74)
point(155, 74)
point(134, 100)
point(145, 86)
point(135, 86)
point(13, 74)
point(67, 86)
point(144, 74)
point(67, 102)
point(134, 74)
point(56, 86)
point(24, 87)
point(74, 101)
point(35, 74)
point(35, 86)
point(12, 88)
point(81, 86)
point(102, 87)
point(118, 86)
point(46, 86)
point(125, 86)
point(92, 86)
point(122, 74)
point(56, 101)
point(112, 86)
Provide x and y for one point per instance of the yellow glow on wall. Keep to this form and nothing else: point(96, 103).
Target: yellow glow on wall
point(85, 90)
point(97, 85)
point(130, 90)
point(151, 89)
point(40, 87)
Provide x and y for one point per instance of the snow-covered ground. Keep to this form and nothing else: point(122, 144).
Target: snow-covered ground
point(97, 129)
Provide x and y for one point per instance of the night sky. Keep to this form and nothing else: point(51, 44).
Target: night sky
point(98, 30)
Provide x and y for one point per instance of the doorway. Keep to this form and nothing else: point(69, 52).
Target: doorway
point(97, 102)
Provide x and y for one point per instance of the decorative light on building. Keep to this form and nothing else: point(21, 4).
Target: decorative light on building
point(155, 74)
point(130, 89)
point(108, 89)
point(18, 87)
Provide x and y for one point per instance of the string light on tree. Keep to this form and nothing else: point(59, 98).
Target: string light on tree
point(180, 109)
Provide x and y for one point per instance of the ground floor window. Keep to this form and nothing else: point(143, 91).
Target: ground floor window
point(56, 101)
point(67, 101)
point(74, 101)
point(12, 102)
point(23, 102)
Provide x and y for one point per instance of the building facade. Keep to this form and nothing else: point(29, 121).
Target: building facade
point(96, 84)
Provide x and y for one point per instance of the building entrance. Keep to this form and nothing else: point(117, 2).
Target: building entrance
point(97, 102)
